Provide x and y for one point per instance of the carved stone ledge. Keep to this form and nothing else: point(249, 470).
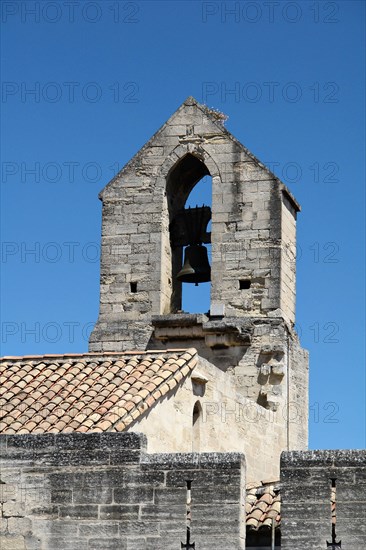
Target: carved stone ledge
point(223, 333)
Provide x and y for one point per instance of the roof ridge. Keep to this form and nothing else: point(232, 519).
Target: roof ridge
point(97, 354)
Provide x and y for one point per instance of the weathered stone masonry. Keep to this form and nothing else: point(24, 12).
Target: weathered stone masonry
point(306, 485)
point(253, 231)
point(103, 492)
point(245, 389)
point(248, 332)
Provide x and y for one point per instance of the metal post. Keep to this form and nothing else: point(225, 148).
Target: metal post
point(273, 534)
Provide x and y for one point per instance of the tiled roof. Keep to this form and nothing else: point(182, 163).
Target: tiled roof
point(262, 506)
point(86, 392)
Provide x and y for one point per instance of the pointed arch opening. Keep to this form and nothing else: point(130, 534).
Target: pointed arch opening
point(189, 199)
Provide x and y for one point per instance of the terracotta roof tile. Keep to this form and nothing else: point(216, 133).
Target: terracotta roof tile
point(143, 392)
point(178, 376)
point(86, 392)
point(119, 427)
point(105, 425)
point(150, 401)
point(164, 389)
point(157, 394)
point(262, 506)
point(171, 383)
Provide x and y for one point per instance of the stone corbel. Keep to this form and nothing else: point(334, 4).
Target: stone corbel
point(225, 334)
point(199, 382)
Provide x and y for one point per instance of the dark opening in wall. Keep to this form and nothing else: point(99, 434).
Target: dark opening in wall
point(189, 185)
point(133, 287)
point(196, 299)
point(196, 412)
point(196, 424)
point(244, 284)
point(262, 400)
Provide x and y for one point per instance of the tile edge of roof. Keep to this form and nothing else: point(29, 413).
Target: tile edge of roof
point(191, 350)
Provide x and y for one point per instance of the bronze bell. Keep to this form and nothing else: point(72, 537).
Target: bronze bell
point(196, 268)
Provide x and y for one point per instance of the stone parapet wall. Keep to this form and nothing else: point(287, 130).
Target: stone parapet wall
point(103, 492)
point(306, 489)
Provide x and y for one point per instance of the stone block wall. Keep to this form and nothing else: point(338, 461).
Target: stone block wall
point(253, 228)
point(298, 395)
point(306, 488)
point(248, 332)
point(288, 258)
point(103, 492)
point(264, 380)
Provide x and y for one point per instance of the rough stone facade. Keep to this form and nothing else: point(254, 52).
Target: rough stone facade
point(103, 492)
point(253, 232)
point(226, 421)
point(307, 481)
point(248, 332)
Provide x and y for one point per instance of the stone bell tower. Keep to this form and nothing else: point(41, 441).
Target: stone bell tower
point(248, 331)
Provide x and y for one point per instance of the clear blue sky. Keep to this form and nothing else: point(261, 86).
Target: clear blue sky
point(105, 76)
